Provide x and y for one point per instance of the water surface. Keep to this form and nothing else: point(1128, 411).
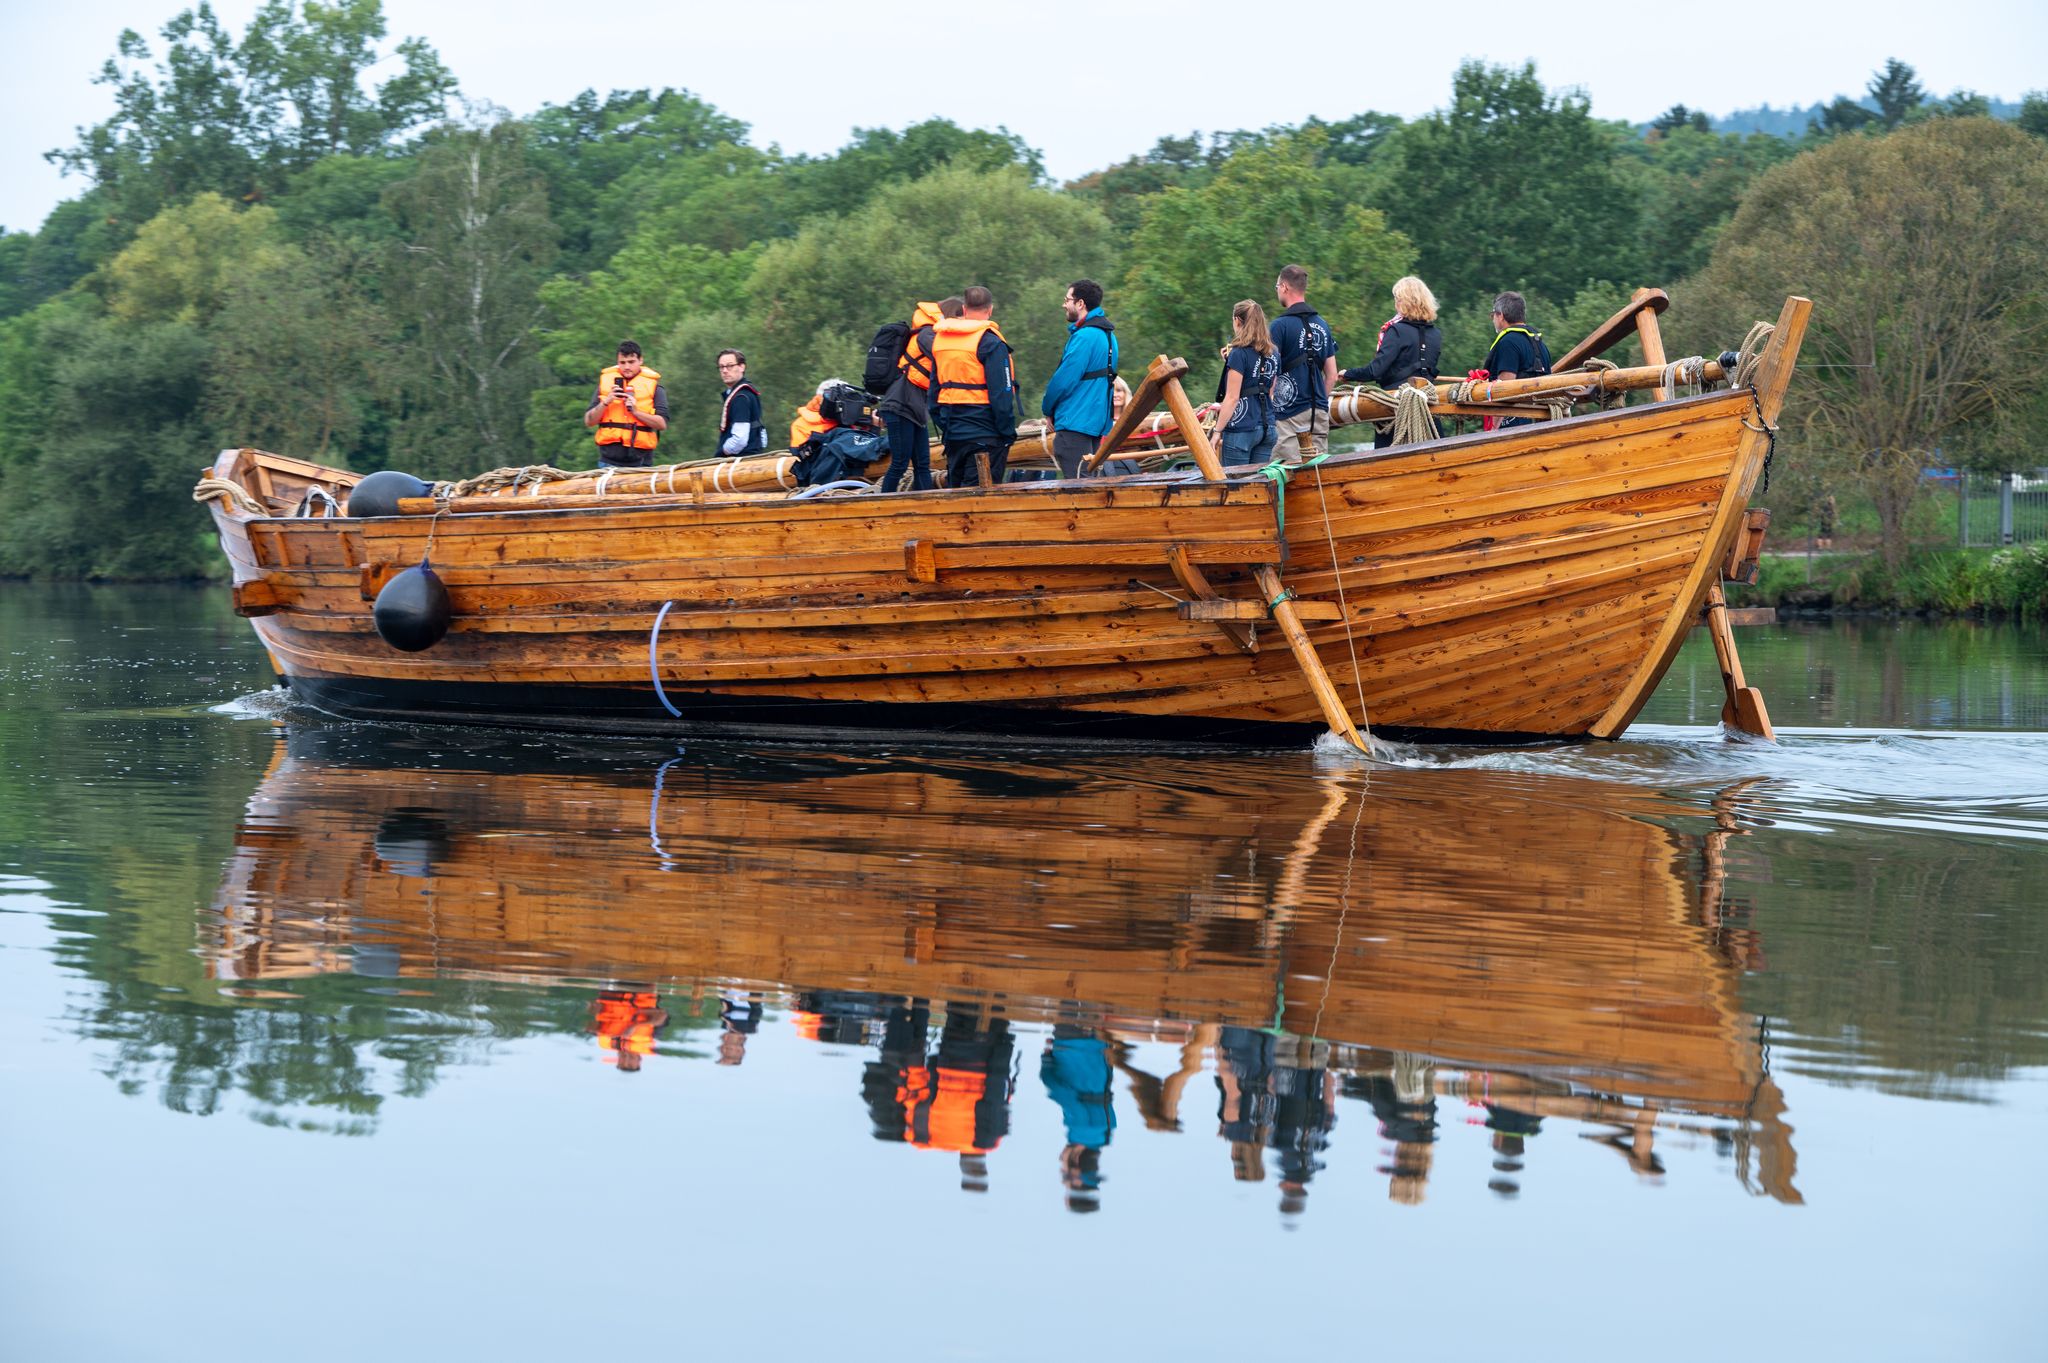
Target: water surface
point(333, 1039)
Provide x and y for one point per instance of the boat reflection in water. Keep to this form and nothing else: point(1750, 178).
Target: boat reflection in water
point(1428, 945)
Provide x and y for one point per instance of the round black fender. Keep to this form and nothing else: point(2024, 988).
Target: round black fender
point(378, 494)
point(413, 610)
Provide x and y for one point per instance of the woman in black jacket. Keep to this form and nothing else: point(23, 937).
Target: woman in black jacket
point(1410, 345)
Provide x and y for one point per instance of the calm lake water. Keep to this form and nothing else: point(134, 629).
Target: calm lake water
point(332, 1041)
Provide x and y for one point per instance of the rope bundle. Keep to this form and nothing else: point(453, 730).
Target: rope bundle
point(222, 489)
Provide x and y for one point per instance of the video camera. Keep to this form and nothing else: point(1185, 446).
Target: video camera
point(847, 405)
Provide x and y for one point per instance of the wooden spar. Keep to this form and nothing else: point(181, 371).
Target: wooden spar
point(1744, 709)
point(1165, 380)
point(1652, 338)
point(1616, 328)
point(1162, 372)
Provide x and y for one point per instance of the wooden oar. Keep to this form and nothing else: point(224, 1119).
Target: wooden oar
point(1164, 379)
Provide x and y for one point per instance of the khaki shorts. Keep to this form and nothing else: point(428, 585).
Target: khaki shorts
point(1304, 435)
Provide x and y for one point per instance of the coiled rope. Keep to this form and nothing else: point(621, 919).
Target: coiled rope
point(223, 489)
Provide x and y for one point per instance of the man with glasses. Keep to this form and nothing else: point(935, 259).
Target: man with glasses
point(740, 430)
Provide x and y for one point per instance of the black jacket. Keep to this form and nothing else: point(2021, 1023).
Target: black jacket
point(1406, 350)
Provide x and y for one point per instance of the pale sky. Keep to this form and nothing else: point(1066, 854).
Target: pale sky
point(1088, 82)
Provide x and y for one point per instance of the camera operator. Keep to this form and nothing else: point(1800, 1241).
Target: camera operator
point(629, 411)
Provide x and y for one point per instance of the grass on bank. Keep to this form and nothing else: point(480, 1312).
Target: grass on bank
point(2011, 582)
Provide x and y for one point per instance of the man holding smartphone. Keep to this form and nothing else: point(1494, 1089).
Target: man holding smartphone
point(629, 411)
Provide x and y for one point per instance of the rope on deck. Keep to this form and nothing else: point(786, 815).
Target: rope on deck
point(223, 489)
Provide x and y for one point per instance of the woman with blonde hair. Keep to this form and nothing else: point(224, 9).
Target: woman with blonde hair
point(1244, 418)
point(1410, 346)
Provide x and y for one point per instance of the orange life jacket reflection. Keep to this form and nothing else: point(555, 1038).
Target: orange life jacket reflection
point(917, 360)
point(939, 1107)
point(962, 380)
point(808, 423)
point(615, 425)
point(626, 1021)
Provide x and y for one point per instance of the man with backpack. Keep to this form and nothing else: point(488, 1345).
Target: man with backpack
point(975, 386)
point(1517, 353)
point(1307, 355)
point(900, 369)
point(1077, 397)
point(740, 428)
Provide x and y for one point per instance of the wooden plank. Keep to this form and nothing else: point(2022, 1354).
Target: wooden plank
point(1196, 584)
point(920, 561)
point(374, 576)
point(1255, 611)
point(1615, 328)
point(258, 596)
point(1745, 557)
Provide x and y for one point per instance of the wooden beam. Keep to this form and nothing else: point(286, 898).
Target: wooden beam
point(920, 561)
point(1615, 329)
point(1744, 709)
point(1192, 581)
point(1234, 608)
point(258, 596)
point(1137, 409)
point(1652, 338)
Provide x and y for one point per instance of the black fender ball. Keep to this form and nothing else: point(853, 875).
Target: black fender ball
point(413, 610)
point(378, 494)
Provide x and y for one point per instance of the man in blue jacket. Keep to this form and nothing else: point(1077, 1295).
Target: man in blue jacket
point(1077, 397)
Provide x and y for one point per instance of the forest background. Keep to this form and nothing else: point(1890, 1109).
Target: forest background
point(274, 250)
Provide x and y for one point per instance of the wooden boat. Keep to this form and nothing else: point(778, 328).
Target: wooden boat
point(1569, 938)
point(1528, 582)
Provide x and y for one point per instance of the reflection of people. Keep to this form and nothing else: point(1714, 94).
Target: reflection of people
point(739, 1017)
point(629, 411)
point(1076, 1072)
point(1511, 1132)
point(625, 1022)
point(957, 1098)
point(1404, 1101)
point(1275, 1090)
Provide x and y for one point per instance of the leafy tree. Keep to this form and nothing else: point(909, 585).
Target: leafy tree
point(1678, 116)
point(296, 360)
point(1925, 253)
point(182, 263)
point(2033, 116)
point(238, 118)
point(475, 244)
point(1842, 115)
point(841, 183)
point(1199, 251)
point(1512, 187)
point(1896, 92)
point(1689, 183)
point(815, 298)
point(342, 196)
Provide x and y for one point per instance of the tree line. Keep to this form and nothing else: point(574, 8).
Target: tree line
point(274, 252)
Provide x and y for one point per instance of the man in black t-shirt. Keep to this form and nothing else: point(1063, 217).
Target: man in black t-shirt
point(740, 429)
point(1518, 352)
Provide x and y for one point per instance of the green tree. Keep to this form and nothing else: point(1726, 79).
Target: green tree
point(183, 261)
point(1689, 183)
point(1926, 255)
point(1512, 187)
point(1896, 92)
point(1197, 252)
point(2033, 117)
point(475, 243)
point(238, 118)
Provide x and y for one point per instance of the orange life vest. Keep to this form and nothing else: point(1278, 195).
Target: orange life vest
point(916, 360)
point(615, 425)
point(808, 423)
point(627, 1022)
point(962, 380)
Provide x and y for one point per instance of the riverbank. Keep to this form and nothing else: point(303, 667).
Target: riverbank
point(2010, 582)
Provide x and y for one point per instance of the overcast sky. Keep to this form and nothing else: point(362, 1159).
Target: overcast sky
point(1088, 82)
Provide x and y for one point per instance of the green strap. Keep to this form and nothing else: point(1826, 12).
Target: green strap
point(1280, 473)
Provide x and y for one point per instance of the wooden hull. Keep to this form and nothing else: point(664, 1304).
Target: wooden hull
point(1525, 583)
point(1561, 929)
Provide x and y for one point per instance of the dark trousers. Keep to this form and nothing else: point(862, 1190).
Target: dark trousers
point(909, 452)
point(620, 457)
point(963, 470)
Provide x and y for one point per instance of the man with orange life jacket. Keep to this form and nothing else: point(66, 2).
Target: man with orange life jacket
point(625, 1021)
point(629, 411)
point(977, 389)
point(906, 403)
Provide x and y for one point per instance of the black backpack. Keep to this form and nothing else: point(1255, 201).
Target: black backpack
point(885, 354)
point(830, 456)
